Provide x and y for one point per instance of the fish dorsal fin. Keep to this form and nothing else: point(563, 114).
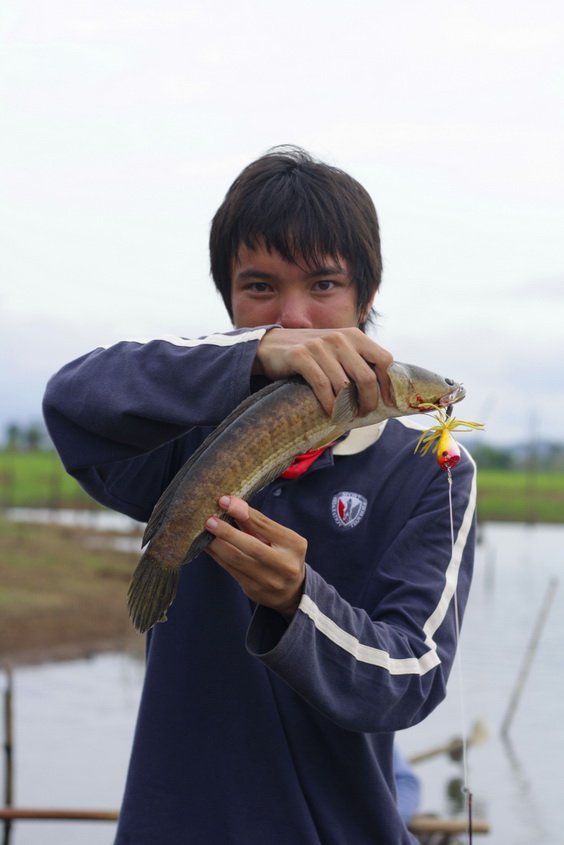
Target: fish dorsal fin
point(159, 510)
point(346, 406)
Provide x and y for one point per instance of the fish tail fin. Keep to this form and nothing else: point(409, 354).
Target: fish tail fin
point(151, 592)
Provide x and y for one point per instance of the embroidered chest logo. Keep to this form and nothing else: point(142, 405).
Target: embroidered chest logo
point(348, 509)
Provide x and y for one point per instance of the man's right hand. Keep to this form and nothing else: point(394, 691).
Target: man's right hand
point(328, 359)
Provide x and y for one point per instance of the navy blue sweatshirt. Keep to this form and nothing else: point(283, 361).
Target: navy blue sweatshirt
point(252, 730)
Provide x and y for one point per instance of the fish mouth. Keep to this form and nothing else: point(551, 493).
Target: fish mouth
point(455, 395)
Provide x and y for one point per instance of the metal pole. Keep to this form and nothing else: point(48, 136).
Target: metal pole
point(529, 655)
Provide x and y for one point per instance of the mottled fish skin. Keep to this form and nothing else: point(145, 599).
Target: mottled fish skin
point(253, 446)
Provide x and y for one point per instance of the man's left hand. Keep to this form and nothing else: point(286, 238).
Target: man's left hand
point(264, 557)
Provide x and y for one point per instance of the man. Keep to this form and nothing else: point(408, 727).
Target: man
point(301, 640)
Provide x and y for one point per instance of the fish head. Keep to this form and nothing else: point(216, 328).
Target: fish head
point(415, 389)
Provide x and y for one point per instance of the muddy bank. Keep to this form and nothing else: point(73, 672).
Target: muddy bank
point(62, 594)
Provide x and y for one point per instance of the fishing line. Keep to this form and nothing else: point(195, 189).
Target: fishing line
point(439, 438)
point(466, 783)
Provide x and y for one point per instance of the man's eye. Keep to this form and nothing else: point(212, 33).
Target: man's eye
point(325, 284)
point(259, 287)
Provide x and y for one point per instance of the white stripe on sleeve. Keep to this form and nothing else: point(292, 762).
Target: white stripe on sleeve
point(378, 657)
point(211, 340)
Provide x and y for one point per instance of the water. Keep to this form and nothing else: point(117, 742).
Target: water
point(74, 721)
point(97, 520)
point(94, 520)
point(73, 728)
point(516, 784)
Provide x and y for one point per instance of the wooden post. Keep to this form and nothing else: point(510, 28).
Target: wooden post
point(8, 754)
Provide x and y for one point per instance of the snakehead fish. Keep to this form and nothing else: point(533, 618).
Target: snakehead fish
point(249, 449)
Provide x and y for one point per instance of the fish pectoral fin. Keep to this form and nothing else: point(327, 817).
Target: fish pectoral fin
point(346, 406)
point(198, 545)
point(202, 541)
point(330, 438)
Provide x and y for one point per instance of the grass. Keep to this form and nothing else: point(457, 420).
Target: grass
point(37, 479)
point(505, 496)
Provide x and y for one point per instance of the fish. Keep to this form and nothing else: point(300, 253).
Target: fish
point(250, 448)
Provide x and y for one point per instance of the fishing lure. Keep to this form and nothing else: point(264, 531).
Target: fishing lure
point(446, 448)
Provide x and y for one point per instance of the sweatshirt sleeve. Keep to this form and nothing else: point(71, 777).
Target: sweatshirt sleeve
point(383, 666)
point(116, 414)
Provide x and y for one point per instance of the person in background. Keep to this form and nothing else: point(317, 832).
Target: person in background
point(408, 787)
point(302, 638)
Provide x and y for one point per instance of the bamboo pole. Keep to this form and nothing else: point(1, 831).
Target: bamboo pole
point(419, 824)
point(454, 747)
point(430, 824)
point(12, 813)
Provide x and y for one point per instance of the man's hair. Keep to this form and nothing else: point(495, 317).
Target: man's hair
point(305, 210)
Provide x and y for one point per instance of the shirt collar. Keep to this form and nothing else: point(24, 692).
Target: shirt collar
point(359, 439)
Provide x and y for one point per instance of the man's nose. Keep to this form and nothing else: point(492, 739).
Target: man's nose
point(293, 313)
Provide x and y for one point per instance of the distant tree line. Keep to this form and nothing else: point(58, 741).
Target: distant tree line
point(27, 438)
point(541, 456)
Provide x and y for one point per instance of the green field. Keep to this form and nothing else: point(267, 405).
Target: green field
point(511, 496)
point(37, 479)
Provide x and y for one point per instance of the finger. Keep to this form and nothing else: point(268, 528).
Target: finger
point(265, 558)
point(278, 587)
point(234, 507)
point(243, 540)
point(368, 390)
point(339, 357)
point(324, 374)
point(232, 558)
point(238, 566)
point(349, 355)
point(247, 557)
point(381, 363)
point(239, 510)
point(255, 523)
point(370, 373)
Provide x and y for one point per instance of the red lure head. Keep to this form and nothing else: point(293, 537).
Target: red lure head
point(448, 453)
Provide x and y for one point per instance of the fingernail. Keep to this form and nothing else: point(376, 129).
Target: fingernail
point(212, 523)
point(225, 501)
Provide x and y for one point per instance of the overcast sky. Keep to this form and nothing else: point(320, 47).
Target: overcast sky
point(123, 123)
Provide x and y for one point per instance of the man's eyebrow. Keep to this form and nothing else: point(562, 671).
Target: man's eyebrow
point(329, 270)
point(254, 274)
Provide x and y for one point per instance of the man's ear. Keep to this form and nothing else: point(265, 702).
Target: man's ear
point(368, 308)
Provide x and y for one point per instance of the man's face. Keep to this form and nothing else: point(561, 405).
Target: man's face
point(266, 289)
